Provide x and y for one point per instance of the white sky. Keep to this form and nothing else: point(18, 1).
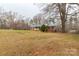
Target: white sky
point(28, 9)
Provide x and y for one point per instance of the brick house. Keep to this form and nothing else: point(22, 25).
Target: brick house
point(51, 27)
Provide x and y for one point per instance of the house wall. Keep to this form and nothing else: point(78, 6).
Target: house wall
point(51, 29)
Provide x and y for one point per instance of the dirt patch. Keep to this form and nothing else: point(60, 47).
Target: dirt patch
point(70, 51)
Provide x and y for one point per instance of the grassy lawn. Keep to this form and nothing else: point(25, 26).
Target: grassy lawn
point(23, 42)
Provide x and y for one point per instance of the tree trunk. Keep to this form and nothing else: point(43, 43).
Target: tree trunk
point(63, 16)
point(63, 26)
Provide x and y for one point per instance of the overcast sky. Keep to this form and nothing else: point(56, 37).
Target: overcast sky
point(26, 9)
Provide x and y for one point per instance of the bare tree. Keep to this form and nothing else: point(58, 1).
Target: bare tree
point(59, 10)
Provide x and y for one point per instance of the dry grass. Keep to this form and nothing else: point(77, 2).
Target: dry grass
point(22, 42)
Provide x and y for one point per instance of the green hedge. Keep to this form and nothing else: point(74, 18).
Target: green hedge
point(44, 28)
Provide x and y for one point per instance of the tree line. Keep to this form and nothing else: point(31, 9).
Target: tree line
point(12, 20)
point(64, 15)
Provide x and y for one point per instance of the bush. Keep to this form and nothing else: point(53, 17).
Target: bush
point(44, 28)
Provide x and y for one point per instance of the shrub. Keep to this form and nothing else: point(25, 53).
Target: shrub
point(44, 28)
